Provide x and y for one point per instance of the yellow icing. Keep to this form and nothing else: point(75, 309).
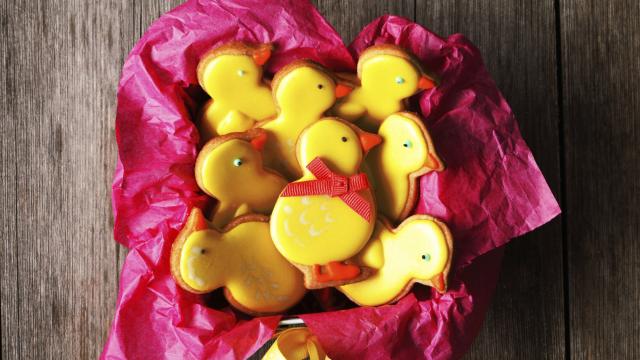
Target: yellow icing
point(386, 81)
point(244, 261)
point(296, 343)
point(403, 154)
point(239, 96)
point(311, 230)
point(302, 95)
point(418, 250)
point(247, 188)
point(235, 121)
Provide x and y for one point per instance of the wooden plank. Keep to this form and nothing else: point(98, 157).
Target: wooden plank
point(517, 40)
point(349, 17)
point(147, 11)
point(600, 75)
point(34, 312)
point(62, 62)
point(8, 197)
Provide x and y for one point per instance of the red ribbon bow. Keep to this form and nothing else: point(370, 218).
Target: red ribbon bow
point(332, 184)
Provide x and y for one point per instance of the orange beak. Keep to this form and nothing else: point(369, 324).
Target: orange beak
point(259, 141)
point(438, 283)
point(426, 83)
point(433, 163)
point(369, 141)
point(342, 90)
point(262, 55)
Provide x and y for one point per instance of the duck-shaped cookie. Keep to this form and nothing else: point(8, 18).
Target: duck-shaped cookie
point(419, 250)
point(303, 91)
point(326, 217)
point(388, 76)
point(229, 168)
point(232, 75)
point(406, 152)
point(241, 258)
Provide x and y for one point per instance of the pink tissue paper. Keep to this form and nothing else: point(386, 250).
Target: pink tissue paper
point(491, 192)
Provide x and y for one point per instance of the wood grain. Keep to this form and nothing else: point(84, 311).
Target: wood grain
point(8, 193)
point(601, 105)
point(518, 43)
point(62, 62)
point(349, 17)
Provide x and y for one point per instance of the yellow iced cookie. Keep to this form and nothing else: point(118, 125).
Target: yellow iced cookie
point(326, 217)
point(406, 152)
point(229, 168)
point(232, 75)
point(417, 251)
point(303, 91)
point(296, 343)
point(388, 76)
point(242, 259)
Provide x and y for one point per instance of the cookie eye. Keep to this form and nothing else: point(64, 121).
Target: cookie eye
point(399, 80)
point(241, 72)
point(320, 86)
point(344, 139)
point(407, 144)
point(237, 162)
point(426, 257)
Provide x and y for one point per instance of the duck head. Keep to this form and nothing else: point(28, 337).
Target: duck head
point(202, 250)
point(232, 69)
point(404, 133)
point(339, 144)
point(392, 72)
point(231, 165)
point(425, 247)
point(306, 87)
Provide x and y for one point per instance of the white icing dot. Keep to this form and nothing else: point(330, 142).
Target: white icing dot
point(313, 232)
point(287, 209)
point(305, 200)
point(303, 219)
point(328, 218)
point(287, 230)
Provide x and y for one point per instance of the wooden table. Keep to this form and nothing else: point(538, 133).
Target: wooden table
point(570, 69)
